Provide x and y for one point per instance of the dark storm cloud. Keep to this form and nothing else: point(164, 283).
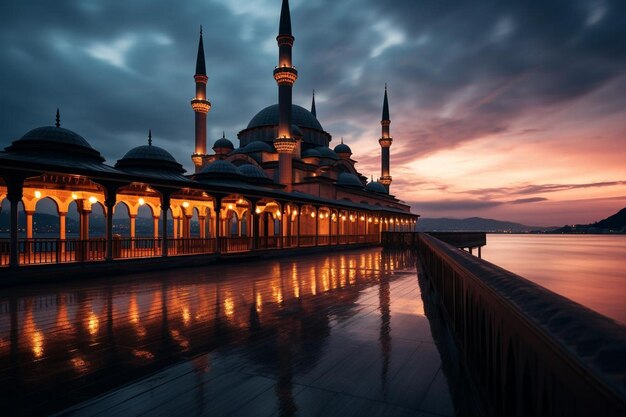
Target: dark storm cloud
point(457, 70)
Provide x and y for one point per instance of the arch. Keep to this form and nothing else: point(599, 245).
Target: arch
point(121, 220)
point(42, 211)
point(97, 220)
point(145, 221)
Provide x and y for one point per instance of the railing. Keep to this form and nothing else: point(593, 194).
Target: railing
point(126, 248)
point(46, 251)
point(51, 251)
point(188, 246)
point(235, 244)
point(529, 351)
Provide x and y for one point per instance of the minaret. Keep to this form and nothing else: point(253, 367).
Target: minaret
point(285, 75)
point(313, 110)
point(200, 106)
point(385, 143)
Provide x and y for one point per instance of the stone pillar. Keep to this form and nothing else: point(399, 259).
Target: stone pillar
point(14, 195)
point(202, 226)
point(175, 225)
point(133, 224)
point(155, 227)
point(218, 209)
point(62, 225)
point(29, 223)
point(165, 206)
point(109, 203)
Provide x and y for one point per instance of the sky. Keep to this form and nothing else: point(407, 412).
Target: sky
point(513, 110)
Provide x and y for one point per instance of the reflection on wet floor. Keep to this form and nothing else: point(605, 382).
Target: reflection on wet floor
point(324, 334)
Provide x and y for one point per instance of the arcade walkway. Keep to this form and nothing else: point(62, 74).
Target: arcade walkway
point(327, 334)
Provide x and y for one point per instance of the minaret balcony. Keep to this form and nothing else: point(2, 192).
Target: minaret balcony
point(285, 145)
point(385, 142)
point(285, 40)
point(200, 105)
point(285, 75)
point(385, 180)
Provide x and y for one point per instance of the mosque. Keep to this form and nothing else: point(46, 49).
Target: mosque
point(282, 187)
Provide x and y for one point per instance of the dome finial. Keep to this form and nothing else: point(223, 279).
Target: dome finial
point(58, 119)
point(149, 137)
point(200, 30)
point(223, 134)
point(342, 139)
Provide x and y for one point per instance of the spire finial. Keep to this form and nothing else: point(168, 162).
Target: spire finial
point(58, 119)
point(200, 65)
point(342, 140)
point(149, 137)
point(313, 109)
point(371, 178)
point(285, 19)
point(223, 134)
point(385, 106)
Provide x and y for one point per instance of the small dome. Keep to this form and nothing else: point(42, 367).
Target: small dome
point(149, 152)
point(149, 157)
point(311, 153)
point(252, 171)
point(376, 187)
point(55, 140)
point(223, 143)
point(57, 135)
point(299, 116)
point(221, 167)
point(257, 146)
point(343, 148)
point(326, 152)
point(349, 180)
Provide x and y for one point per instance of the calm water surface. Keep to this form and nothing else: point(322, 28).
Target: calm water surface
point(589, 269)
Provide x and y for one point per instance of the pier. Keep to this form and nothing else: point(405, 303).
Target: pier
point(526, 350)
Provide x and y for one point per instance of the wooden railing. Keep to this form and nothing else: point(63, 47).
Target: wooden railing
point(529, 351)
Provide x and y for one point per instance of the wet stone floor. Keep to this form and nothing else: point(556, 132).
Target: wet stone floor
point(341, 333)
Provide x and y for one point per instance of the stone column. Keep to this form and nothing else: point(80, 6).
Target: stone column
point(109, 203)
point(14, 195)
point(133, 225)
point(165, 206)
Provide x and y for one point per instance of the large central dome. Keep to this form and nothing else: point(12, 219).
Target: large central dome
point(263, 127)
point(300, 117)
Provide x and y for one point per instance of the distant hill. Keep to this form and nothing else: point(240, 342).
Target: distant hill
point(475, 224)
point(612, 224)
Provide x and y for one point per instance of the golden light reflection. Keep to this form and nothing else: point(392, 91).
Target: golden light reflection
point(93, 324)
point(294, 280)
point(186, 316)
point(258, 303)
point(33, 334)
point(229, 306)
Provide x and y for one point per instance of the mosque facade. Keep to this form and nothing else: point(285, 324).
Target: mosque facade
point(282, 187)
